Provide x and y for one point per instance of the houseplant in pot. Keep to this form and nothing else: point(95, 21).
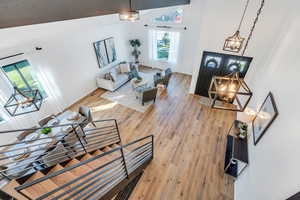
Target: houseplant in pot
point(243, 127)
point(46, 131)
point(135, 43)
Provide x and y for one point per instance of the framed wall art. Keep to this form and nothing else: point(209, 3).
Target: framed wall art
point(105, 52)
point(264, 118)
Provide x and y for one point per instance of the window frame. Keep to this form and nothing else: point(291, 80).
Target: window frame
point(22, 76)
point(157, 50)
point(173, 48)
point(20, 73)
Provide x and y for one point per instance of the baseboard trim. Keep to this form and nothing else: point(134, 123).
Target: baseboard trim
point(80, 99)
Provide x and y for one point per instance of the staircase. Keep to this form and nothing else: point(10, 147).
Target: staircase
point(96, 166)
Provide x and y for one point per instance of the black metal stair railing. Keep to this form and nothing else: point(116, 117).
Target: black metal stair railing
point(96, 183)
point(126, 192)
point(24, 157)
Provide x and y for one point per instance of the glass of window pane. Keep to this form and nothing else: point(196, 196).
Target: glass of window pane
point(30, 76)
point(22, 76)
point(163, 45)
point(15, 77)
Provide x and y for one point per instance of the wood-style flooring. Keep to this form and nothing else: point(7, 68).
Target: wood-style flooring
point(189, 144)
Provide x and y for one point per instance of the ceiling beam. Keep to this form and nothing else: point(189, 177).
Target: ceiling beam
point(26, 12)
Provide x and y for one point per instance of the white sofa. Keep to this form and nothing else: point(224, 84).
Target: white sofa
point(120, 76)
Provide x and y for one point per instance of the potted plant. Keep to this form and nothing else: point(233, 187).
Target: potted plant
point(243, 127)
point(46, 131)
point(135, 43)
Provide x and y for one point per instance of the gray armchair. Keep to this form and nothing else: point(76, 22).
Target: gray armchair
point(134, 73)
point(148, 94)
point(87, 114)
point(164, 80)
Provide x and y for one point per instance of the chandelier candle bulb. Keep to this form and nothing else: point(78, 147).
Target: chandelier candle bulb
point(228, 89)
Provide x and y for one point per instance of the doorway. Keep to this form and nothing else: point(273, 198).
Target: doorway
point(219, 64)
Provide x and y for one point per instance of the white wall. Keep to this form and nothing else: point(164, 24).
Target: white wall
point(220, 18)
point(67, 65)
point(208, 23)
point(273, 171)
point(188, 47)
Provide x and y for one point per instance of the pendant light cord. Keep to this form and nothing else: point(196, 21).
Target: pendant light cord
point(253, 26)
point(243, 16)
point(130, 4)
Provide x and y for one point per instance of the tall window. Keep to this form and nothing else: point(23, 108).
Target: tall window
point(22, 75)
point(164, 45)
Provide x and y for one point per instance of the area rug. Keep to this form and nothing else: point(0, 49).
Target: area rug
point(126, 96)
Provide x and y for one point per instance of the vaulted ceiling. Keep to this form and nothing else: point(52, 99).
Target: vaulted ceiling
point(26, 12)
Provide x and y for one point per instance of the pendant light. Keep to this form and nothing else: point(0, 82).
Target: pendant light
point(131, 15)
point(225, 90)
point(229, 93)
point(23, 102)
point(234, 43)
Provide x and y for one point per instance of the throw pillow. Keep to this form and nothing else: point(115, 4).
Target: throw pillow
point(124, 68)
point(113, 75)
point(107, 76)
point(118, 69)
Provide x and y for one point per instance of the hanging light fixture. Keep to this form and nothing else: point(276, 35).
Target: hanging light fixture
point(234, 43)
point(131, 15)
point(225, 92)
point(229, 93)
point(23, 102)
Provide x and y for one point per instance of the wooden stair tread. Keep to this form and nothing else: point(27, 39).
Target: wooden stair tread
point(96, 163)
point(115, 145)
point(10, 189)
point(78, 171)
point(106, 149)
point(114, 154)
point(41, 188)
point(64, 178)
point(83, 169)
point(97, 152)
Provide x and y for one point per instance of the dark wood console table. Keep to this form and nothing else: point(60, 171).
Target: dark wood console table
point(236, 155)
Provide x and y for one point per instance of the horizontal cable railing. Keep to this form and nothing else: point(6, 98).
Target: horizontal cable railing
point(38, 151)
point(101, 179)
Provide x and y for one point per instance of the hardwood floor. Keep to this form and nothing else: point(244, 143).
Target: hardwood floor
point(189, 143)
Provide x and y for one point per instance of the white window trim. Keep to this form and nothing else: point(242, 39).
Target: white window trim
point(174, 46)
point(17, 59)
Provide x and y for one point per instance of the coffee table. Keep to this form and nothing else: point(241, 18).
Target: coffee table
point(138, 84)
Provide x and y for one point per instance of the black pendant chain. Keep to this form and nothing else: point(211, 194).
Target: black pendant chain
point(253, 26)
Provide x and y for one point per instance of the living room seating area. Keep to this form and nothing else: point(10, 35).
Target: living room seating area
point(113, 77)
point(143, 81)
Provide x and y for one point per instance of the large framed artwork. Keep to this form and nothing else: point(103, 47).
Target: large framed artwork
point(105, 51)
point(111, 50)
point(264, 118)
